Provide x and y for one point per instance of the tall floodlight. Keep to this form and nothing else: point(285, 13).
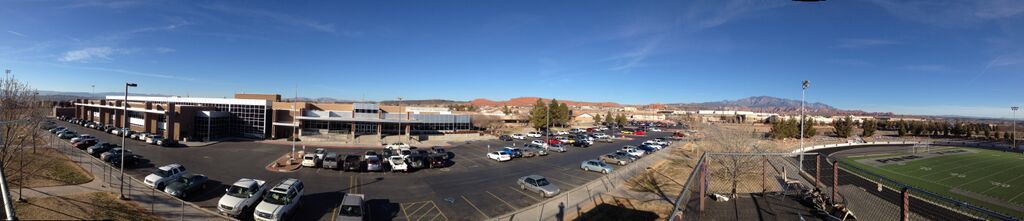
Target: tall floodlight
point(804, 86)
point(124, 122)
point(1014, 136)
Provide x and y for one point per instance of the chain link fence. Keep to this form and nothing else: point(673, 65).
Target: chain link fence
point(576, 201)
point(158, 203)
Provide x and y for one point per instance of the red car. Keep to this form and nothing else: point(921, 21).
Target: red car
point(639, 133)
point(554, 142)
point(678, 134)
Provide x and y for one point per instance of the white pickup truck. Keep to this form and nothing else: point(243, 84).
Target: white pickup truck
point(241, 196)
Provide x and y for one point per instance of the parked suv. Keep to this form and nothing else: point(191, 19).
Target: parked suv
point(164, 175)
point(330, 161)
point(241, 196)
point(352, 163)
point(280, 202)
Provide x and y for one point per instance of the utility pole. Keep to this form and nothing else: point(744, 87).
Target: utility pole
point(295, 128)
point(804, 86)
point(400, 111)
point(124, 122)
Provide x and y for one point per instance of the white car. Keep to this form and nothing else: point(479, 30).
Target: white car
point(309, 160)
point(600, 135)
point(654, 129)
point(500, 156)
point(320, 152)
point(398, 164)
point(164, 175)
point(82, 137)
point(398, 145)
point(633, 152)
point(533, 134)
point(519, 136)
point(241, 196)
point(562, 132)
point(539, 143)
point(279, 203)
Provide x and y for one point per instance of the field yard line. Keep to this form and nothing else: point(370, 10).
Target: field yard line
point(975, 169)
point(967, 158)
point(954, 168)
point(1015, 197)
point(914, 177)
point(1010, 180)
point(993, 174)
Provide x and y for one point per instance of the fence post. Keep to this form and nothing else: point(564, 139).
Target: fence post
point(817, 171)
point(764, 174)
point(905, 210)
point(701, 184)
point(835, 180)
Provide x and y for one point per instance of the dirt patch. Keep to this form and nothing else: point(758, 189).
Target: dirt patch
point(88, 206)
point(46, 167)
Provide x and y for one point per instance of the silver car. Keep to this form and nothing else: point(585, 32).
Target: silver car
point(595, 165)
point(538, 184)
point(557, 148)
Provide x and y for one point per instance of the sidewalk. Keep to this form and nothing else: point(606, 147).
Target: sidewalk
point(106, 179)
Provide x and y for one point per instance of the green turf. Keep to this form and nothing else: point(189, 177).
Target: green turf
point(994, 174)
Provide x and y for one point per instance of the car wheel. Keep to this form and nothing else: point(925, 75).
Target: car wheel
point(522, 187)
point(622, 163)
point(584, 169)
point(542, 194)
point(604, 171)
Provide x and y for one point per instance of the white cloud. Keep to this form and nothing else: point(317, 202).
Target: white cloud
point(17, 33)
point(928, 68)
point(952, 14)
point(862, 43)
point(88, 54)
point(164, 50)
point(284, 19)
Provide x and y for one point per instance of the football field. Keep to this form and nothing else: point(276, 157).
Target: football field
point(987, 178)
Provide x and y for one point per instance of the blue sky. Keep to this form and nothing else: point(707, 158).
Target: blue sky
point(920, 57)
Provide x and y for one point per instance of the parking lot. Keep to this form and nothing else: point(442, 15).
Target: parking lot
point(473, 188)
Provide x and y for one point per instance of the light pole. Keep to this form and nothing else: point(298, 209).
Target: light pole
point(1014, 136)
point(295, 127)
point(124, 122)
point(804, 86)
point(400, 111)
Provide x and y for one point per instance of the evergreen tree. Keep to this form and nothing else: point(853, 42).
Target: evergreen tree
point(555, 114)
point(538, 115)
point(902, 130)
point(506, 110)
point(809, 130)
point(621, 119)
point(843, 127)
point(609, 119)
point(564, 115)
point(869, 128)
point(597, 119)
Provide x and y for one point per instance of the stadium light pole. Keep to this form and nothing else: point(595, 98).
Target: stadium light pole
point(124, 121)
point(1014, 120)
point(803, 91)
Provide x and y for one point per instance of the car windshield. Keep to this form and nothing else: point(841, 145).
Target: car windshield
point(308, 157)
point(162, 173)
point(347, 210)
point(276, 198)
point(542, 182)
point(237, 191)
point(406, 152)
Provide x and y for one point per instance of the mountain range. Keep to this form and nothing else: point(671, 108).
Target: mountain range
point(770, 105)
point(529, 101)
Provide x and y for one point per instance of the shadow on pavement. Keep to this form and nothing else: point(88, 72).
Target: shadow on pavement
point(314, 206)
point(613, 212)
point(383, 209)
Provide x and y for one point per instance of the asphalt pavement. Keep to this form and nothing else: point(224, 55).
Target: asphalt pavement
point(473, 188)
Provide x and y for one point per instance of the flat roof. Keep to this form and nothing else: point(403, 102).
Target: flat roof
point(204, 100)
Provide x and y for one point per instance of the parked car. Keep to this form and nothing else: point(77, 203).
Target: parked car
point(67, 134)
point(438, 151)
point(139, 136)
point(351, 163)
point(538, 184)
point(518, 136)
point(398, 164)
point(396, 146)
point(527, 152)
point(373, 163)
point(633, 151)
point(514, 152)
point(113, 152)
point(164, 175)
point(627, 155)
point(56, 129)
point(615, 159)
point(279, 202)
point(82, 137)
point(96, 150)
point(164, 142)
point(646, 149)
point(352, 208)
point(536, 150)
point(539, 143)
point(505, 137)
point(153, 139)
point(186, 184)
point(640, 133)
point(82, 144)
point(583, 144)
point(437, 161)
point(309, 160)
point(606, 140)
point(499, 156)
point(241, 196)
point(557, 148)
point(596, 165)
point(330, 161)
point(130, 160)
point(416, 161)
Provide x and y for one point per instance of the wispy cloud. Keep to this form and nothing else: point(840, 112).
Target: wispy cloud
point(635, 58)
point(114, 4)
point(1006, 60)
point(952, 14)
point(17, 33)
point(284, 19)
point(164, 50)
point(88, 54)
point(850, 62)
point(928, 68)
point(862, 43)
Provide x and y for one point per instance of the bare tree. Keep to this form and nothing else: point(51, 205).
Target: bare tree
point(732, 166)
point(20, 116)
point(490, 123)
